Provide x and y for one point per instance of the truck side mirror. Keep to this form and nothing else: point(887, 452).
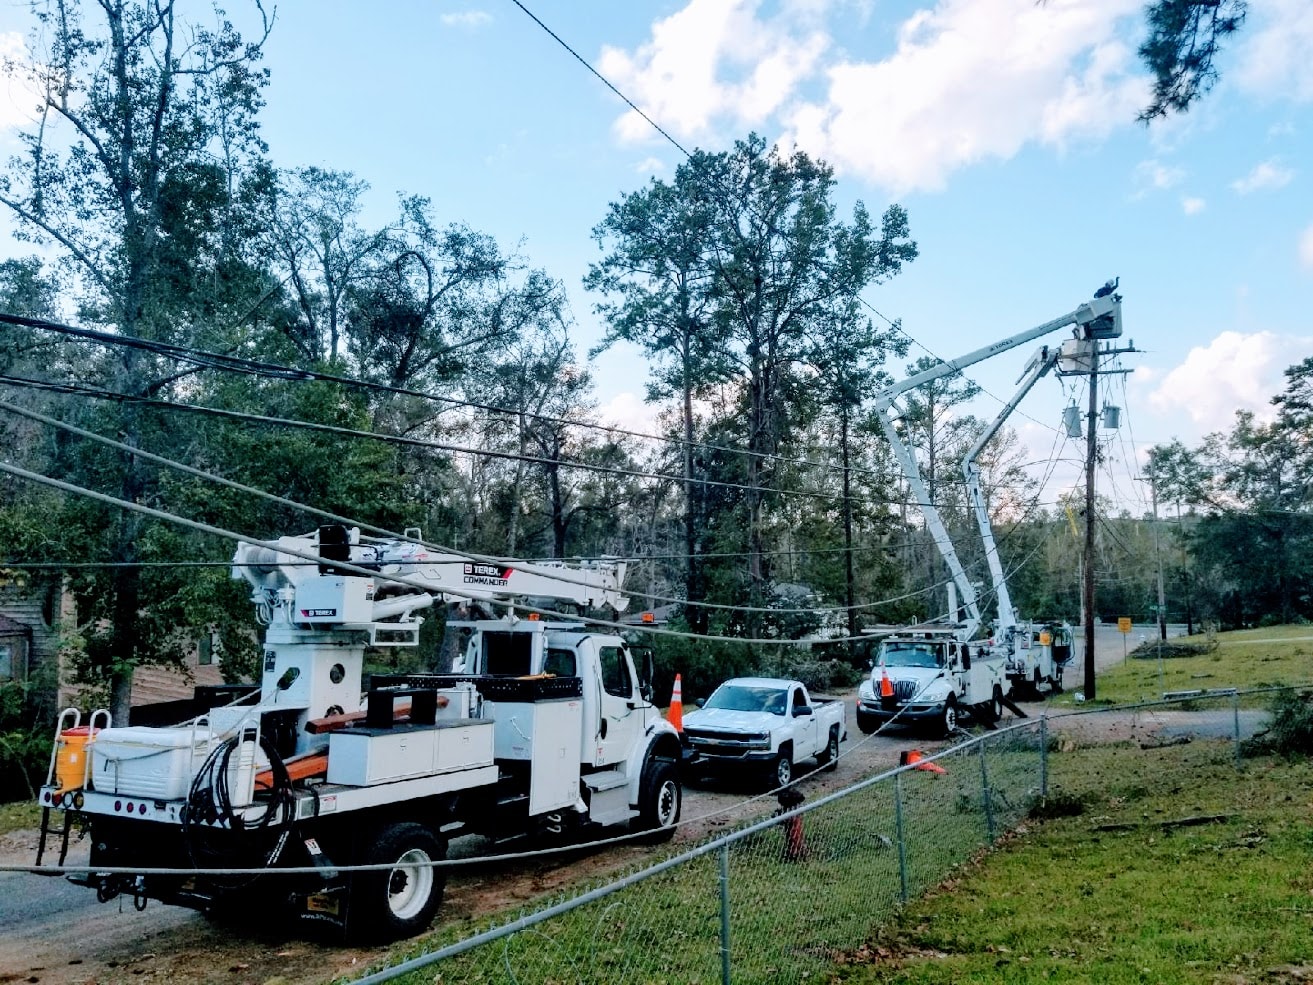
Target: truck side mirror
point(700, 702)
point(966, 658)
point(646, 667)
point(800, 711)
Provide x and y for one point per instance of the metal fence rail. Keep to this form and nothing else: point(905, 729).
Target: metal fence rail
point(781, 899)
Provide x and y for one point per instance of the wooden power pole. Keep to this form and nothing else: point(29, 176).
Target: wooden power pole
point(1091, 454)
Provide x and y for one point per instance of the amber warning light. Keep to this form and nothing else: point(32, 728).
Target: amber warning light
point(648, 617)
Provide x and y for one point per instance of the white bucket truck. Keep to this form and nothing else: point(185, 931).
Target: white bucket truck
point(550, 727)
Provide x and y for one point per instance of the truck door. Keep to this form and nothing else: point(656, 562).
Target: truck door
point(619, 721)
point(805, 740)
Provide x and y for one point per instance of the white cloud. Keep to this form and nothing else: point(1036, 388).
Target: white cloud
point(18, 101)
point(1153, 174)
point(1273, 53)
point(975, 80)
point(1306, 248)
point(1267, 175)
point(629, 411)
point(968, 81)
point(711, 59)
point(470, 20)
point(1192, 206)
point(1232, 372)
point(650, 165)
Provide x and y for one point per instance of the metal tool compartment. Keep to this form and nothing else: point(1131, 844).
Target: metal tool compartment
point(364, 756)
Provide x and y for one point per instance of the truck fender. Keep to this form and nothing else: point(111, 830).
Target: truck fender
point(662, 743)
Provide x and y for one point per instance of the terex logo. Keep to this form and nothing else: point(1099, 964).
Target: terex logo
point(487, 571)
point(318, 613)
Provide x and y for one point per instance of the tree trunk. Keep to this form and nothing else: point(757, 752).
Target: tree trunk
point(694, 591)
point(850, 594)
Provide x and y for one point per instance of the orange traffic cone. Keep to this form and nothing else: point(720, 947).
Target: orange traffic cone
point(886, 686)
point(914, 759)
point(675, 716)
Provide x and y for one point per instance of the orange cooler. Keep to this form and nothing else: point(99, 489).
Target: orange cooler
point(71, 758)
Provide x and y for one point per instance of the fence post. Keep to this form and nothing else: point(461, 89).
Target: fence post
point(898, 829)
point(984, 793)
point(724, 915)
point(1235, 714)
point(1044, 757)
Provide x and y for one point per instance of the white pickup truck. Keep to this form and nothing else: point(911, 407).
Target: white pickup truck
point(763, 723)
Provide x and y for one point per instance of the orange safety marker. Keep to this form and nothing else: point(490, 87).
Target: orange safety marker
point(886, 686)
point(675, 716)
point(914, 759)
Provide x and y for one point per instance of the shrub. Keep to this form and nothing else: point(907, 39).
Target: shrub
point(1291, 731)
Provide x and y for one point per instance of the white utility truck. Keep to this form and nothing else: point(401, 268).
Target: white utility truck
point(763, 724)
point(549, 726)
point(929, 676)
point(938, 672)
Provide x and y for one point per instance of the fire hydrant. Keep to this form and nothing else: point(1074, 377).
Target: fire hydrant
point(795, 847)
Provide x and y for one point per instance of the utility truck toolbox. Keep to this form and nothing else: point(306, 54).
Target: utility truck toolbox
point(141, 761)
point(363, 757)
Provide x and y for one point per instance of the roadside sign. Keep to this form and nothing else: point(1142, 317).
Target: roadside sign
point(1124, 623)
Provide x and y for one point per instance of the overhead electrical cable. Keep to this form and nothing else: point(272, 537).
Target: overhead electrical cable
point(896, 325)
point(400, 579)
point(235, 364)
point(101, 394)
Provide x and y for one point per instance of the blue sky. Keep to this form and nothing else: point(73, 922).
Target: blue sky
point(1006, 128)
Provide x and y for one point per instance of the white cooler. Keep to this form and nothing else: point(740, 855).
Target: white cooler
point(138, 761)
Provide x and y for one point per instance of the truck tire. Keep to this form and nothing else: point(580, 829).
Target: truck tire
point(829, 756)
point(660, 801)
point(389, 904)
point(866, 724)
point(781, 774)
point(948, 717)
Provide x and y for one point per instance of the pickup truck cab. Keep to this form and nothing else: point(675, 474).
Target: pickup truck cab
point(764, 723)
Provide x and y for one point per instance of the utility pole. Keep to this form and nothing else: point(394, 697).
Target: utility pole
point(1087, 586)
point(1157, 553)
point(1080, 357)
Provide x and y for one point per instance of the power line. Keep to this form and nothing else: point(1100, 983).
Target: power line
point(409, 581)
point(226, 362)
point(896, 325)
point(103, 394)
point(283, 501)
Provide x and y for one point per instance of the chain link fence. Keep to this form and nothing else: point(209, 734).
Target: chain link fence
point(785, 898)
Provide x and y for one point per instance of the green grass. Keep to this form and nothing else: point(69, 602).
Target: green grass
point(19, 815)
point(789, 916)
point(1118, 894)
point(1251, 658)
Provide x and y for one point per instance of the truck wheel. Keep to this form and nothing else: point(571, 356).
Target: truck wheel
point(829, 758)
point(781, 775)
point(660, 802)
point(388, 904)
point(867, 723)
point(948, 717)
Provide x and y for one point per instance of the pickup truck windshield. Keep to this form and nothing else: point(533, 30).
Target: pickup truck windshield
point(733, 697)
point(895, 654)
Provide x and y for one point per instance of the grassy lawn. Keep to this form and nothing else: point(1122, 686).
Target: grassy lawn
point(1249, 658)
point(19, 815)
point(1123, 891)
